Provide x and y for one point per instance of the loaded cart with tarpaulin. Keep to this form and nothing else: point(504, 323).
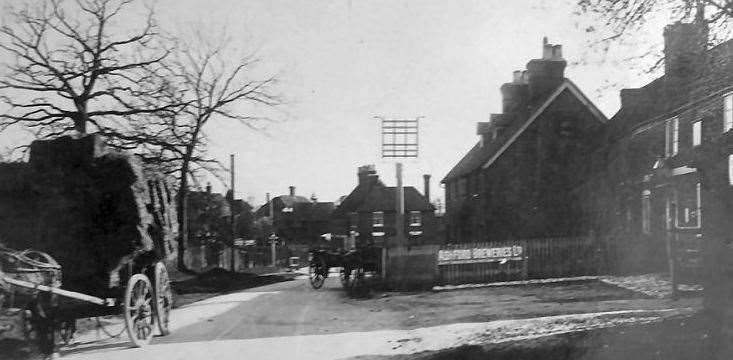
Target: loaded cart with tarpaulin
point(83, 233)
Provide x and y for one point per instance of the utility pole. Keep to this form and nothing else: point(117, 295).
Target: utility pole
point(400, 208)
point(273, 237)
point(231, 211)
point(399, 139)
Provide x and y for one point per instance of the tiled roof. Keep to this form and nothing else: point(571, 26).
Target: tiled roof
point(384, 199)
point(478, 155)
point(482, 156)
point(320, 211)
point(357, 196)
point(287, 201)
point(665, 96)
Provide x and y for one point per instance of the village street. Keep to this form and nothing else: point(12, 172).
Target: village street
point(289, 320)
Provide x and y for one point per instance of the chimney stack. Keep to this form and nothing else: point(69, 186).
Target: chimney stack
point(208, 188)
point(546, 73)
point(426, 180)
point(365, 173)
point(292, 190)
point(517, 77)
point(684, 48)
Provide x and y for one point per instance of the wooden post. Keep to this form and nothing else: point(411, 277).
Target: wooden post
point(671, 248)
point(400, 210)
point(231, 210)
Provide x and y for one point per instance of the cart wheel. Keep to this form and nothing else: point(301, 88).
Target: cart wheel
point(138, 310)
point(163, 298)
point(317, 273)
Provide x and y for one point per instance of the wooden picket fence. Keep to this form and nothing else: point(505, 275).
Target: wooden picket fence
point(541, 258)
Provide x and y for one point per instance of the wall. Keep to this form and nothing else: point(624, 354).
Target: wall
point(412, 267)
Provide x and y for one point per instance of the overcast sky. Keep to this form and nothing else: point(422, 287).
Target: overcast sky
point(341, 63)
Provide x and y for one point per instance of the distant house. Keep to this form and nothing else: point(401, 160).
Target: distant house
point(209, 228)
point(297, 219)
point(368, 213)
point(516, 181)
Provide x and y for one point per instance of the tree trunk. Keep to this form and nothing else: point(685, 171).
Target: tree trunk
point(80, 120)
point(183, 215)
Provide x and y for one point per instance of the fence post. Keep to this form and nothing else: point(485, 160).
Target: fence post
point(525, 261)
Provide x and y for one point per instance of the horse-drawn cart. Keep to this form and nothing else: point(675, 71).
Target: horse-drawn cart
point(34, 304)
point(354, 266)
point(105, 227)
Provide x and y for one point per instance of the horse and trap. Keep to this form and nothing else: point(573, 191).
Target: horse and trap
point(355, 266)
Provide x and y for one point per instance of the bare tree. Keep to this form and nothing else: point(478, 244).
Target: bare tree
point(622, 23)
point(73, 65)
point(214, 86)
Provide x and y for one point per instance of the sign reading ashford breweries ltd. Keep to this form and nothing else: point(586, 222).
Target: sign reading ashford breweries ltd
point(479, 255)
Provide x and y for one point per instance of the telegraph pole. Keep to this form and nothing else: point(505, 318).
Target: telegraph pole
point(231, 211)
point(399, 139)
point(400, 210)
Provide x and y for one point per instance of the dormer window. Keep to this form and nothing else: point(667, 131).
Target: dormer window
point(672, 137)
point(728, 112)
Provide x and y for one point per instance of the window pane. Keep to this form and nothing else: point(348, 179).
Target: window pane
point(697, 133)
point(415, 218)
point(728, 112)
point(671, 136)
point(687, 200)
point(378, 218)
point(730, 169)
point(646, 212)
point(675, 135)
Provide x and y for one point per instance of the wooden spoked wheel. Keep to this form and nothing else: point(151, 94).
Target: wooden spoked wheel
point(317, 272)
point(163, 298)
point(138, 310)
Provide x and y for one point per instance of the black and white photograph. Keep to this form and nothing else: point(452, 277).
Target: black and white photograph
point(366, 179)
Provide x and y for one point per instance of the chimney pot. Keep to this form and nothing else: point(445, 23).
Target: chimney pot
point(517, 78)
point(292, 190)
point(208, 188)
point(364, 172)
point(557, 52)
point(546, 52)
point(426, 179)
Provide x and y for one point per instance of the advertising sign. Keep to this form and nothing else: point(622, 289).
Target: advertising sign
point(480, 255)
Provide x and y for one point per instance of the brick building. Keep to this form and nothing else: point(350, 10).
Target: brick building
point(516, 181)
point(369, 214)
point(651, 187)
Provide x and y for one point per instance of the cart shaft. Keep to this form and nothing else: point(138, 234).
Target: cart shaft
point(58, 291)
